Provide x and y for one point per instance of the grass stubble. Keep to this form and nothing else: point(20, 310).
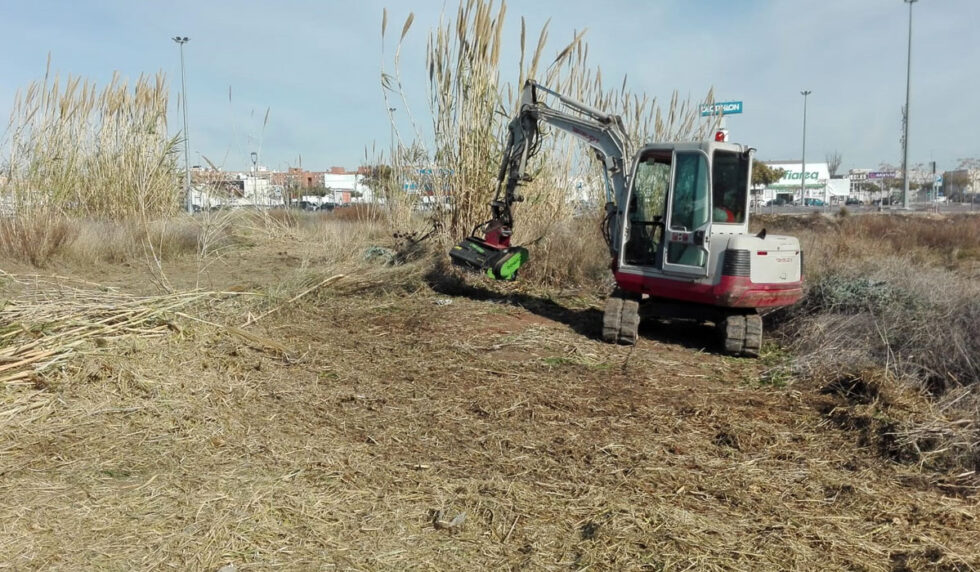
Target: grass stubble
point(273, 425)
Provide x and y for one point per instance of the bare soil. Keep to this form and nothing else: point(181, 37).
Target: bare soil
point(406, 427)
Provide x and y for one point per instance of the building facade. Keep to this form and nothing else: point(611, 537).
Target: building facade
point(797, 186)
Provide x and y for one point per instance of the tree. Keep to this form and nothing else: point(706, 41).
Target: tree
point(958, 183)
point(973, 163)
point(833, 162)
point(763, 175)
point(381, 180)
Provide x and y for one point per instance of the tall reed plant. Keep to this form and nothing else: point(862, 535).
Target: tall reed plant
point(471, 103)
point(79, 150)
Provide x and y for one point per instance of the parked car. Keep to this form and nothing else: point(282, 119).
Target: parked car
point(777, 202)
point(312, 206)
point(852, 201)
point(814, 203)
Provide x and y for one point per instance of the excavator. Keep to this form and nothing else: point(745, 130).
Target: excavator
point(676, 224)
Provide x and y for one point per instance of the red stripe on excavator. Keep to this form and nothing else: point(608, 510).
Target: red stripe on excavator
point(730, 292)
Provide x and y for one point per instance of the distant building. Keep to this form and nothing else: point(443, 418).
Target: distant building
point(213, 188)
point(817, 183)
point(869, 185)
point(297, 179)
point(347, 187)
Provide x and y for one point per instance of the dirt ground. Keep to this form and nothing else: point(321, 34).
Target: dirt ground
point(378, 424)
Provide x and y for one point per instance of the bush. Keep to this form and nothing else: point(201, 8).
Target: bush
point(35, 239)
point(884, 301)
point(357, 212)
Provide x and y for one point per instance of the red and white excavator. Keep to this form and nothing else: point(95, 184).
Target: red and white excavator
point(677, 227)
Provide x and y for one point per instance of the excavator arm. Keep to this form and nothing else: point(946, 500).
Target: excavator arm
point(604, 133)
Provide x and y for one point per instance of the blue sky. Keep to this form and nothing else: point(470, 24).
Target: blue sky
point(315, 65)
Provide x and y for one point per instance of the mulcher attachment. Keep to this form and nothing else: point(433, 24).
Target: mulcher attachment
point(499, 262)
point(488, 248)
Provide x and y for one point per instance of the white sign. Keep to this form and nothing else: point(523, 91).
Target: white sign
point(816, 174)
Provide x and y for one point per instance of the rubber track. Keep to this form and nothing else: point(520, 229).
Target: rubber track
point(612, 317)
point(629, 325)
point(733, 332)
point(753, 335)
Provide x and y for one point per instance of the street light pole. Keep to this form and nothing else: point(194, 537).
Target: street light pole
point(183, 92)
point(905, 139)
point(255, 177)
point(804, 93)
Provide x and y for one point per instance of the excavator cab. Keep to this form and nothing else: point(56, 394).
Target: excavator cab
point(680, 194)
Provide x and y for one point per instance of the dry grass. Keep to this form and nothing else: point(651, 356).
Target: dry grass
point(36, 238)
point(112, 241)
point(949, 241)
point(44, 238)
point(289, 418)
point(352, 429)
point(55, 320)
point(892, 301)
point(568, 254)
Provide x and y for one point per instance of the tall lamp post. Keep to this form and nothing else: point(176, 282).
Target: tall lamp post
point(255, 177)
point(803, 161)
point(183, 93)
point(905, 138)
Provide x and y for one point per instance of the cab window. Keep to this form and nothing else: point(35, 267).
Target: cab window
point(689, 207)
point(729, 192)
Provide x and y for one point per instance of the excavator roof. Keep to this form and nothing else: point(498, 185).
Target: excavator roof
point(706, 146)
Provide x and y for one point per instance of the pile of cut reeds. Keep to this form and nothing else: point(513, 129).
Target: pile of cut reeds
point(42, 330)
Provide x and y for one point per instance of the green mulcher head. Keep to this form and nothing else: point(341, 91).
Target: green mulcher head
point(480, 256)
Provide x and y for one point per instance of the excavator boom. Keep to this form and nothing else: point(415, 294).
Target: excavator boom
point(488, 248)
